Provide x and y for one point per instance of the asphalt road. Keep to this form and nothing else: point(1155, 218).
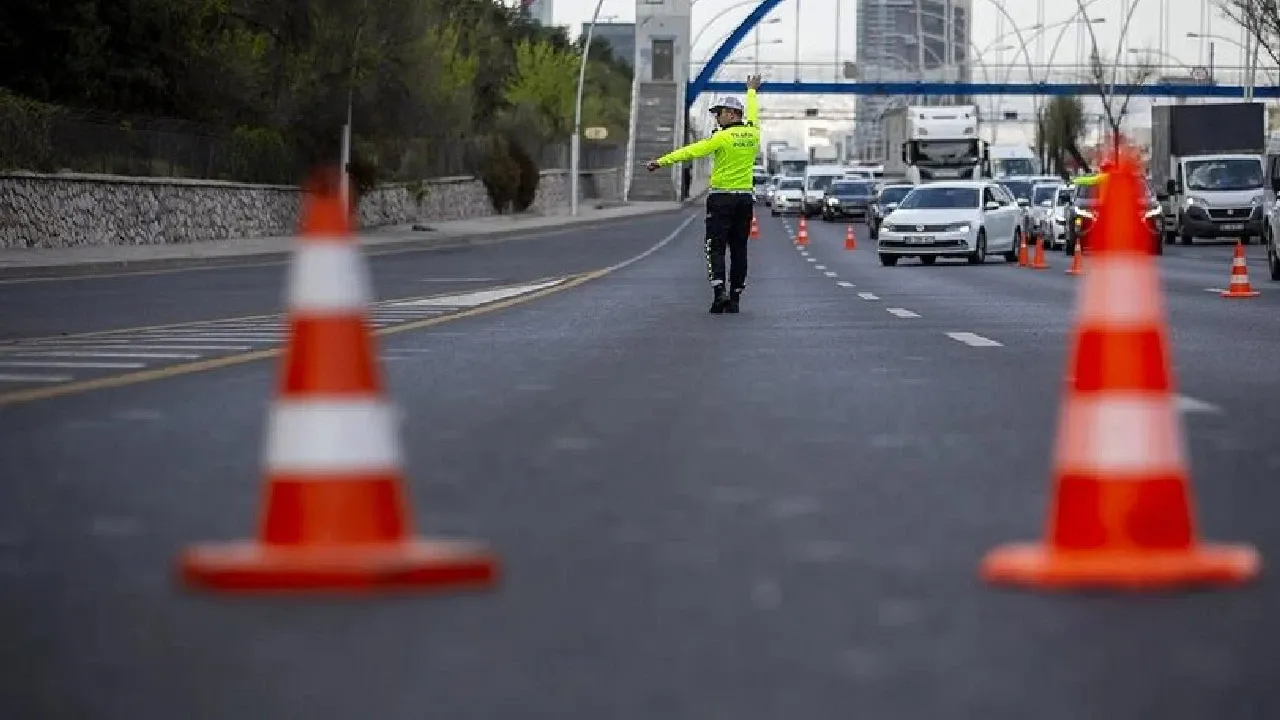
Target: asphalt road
point(773, 515)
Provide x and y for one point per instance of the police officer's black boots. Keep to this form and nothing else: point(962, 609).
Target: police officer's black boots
point(721, 301)
point(735, 297)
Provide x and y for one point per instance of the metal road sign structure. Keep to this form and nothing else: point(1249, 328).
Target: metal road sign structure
point(703, 83)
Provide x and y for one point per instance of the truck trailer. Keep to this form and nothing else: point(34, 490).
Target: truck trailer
point(933, 142)
point(1206, 167)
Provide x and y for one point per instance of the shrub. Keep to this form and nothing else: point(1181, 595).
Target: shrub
point(500, 173)
point(528, 176)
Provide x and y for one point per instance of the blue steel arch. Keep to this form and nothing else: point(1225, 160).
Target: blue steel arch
point(699, 84)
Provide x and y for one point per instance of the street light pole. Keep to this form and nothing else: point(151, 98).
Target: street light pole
point(575, 144)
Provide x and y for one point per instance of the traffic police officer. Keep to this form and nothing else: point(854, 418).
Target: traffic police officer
point(730, 204)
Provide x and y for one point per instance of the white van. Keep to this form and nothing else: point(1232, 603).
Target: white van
point(817, 179)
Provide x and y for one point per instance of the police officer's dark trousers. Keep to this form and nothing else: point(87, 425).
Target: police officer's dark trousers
point(728, 226)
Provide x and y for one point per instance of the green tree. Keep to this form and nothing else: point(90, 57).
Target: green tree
point(544, 78)
point(1061, 128)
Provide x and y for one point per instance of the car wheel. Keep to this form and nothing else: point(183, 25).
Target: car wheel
point(928, 259)
point(1273, 260)
point(979, 255)
point(773, 213)
point(888, 260)
point(1012, 255)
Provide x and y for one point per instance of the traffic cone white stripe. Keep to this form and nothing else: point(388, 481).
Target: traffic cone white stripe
point(328, 277)
point(1122, 433)
point(320, 437)
point(1123, 291)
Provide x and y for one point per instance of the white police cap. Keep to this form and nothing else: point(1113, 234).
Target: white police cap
point(727, 103)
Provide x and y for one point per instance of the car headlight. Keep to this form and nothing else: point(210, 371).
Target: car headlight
point(963, 227)
point(888, 227)
point(1196, 202)
point(833, 201)
point(1154, 213)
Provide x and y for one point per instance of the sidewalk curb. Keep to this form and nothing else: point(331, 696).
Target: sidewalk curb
point(426, 242)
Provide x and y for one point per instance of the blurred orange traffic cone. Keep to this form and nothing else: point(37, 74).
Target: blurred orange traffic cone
point(1023, 259)
point(1122, 513)
point(850, 242)
point(335, 515)
point(1240, 287)
point(802, 235)
point(1076, 264)
point(755, 227)
point(1039, 263)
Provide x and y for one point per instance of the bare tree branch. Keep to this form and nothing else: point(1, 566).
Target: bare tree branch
point(1260, 18)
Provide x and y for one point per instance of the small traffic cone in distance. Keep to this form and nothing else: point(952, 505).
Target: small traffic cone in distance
point(802, 235)
point(1076, 264)
point(1239, 287)
point(335, 516)
point(1023, 259)
point(1121, 515)
point(1040, 263)
point(850, 243)
point(755, 227)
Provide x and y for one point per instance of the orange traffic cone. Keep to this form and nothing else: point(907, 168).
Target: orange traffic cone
point(335, 514)
point(1023, 260)
point(1076, 264)
point(1039, 263)
point(1240, 287)
point(755, 227)
point(850, 242)
point(802, 235)
point(1122, 513)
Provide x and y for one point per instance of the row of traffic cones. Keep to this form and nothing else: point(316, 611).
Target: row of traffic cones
point(802, 234)
point(335, 514)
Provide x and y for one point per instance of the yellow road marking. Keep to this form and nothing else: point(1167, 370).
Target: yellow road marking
point(168, 371)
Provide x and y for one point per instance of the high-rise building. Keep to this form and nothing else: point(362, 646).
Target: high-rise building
point(621, 38)
point(895, 43)
point(540, 10)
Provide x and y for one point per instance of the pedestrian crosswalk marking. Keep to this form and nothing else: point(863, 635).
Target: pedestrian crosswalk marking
point(72, 358)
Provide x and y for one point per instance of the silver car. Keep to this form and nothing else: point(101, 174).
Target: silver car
point(1040, 215)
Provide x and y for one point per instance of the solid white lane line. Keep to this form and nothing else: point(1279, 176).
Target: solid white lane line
point(14, 378)
point(973, 339)
point(901, 312)
point(90, 365)
point(130, 346)
point(867, 296)
point(107, 354)
point(845, 284)
point(1189, 405)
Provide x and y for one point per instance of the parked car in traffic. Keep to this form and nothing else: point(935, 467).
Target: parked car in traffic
point(788, 197)
point(953, 219)
point(848, 199)
point(1082, 216)
point(886, 202)
point(1040, 214)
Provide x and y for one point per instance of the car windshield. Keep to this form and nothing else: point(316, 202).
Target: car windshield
point(1088, 193)
point(1228, 174)
point(1019, 189)
point(894, 194)
point(941, 198)
point(760, 179)
point(791, 185)
point(1064, 196)
point(1014, 166)
point(1043, 193)
point(853, 188)
point(821, 182)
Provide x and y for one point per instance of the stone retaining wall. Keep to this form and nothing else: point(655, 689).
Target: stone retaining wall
point(69, 210)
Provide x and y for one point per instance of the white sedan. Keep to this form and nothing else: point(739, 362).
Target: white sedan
point(963, 219)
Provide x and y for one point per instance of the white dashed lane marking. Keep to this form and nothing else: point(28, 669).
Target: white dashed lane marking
point(973, 339)
point(75, 357)
point(829, 274)
point(845, 284)
point(901, 312)
point(868, 296)
point(1190, 405)
point(819, 267)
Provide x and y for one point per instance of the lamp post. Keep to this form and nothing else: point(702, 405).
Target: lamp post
point(1251, 60)
point(575, 144)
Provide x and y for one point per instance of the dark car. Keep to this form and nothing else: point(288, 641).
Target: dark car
point(886, 202)
point(1082, 215)
point(848, 199)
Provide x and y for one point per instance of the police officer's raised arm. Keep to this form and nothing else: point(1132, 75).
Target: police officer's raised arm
point(753, 102)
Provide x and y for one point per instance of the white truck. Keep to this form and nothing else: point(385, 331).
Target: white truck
point(933, 142)
point(790, 162)
point(1012, 160)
